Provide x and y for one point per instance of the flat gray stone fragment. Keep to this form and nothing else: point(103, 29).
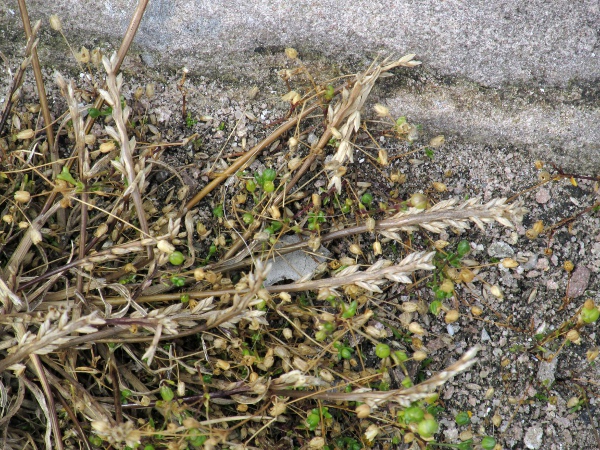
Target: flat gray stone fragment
point(579, 282)
point(295, 265)
point(500, 250)
point(546, 372)
point(533, 437)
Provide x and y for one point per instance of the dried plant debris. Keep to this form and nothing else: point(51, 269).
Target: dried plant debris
point(135, 312)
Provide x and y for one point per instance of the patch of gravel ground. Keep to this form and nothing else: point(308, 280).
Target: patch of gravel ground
point(512, 394)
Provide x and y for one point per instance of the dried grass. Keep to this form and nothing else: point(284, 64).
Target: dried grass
point(119, 359)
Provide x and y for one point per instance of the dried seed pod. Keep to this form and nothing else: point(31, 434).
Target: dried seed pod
point(291, 53)
point(382, 157)
point(25, 134)
point(150, 90)
point(274, 212)
point(139, 91)
point(544, 176)
point(363, 411)
point(592, 354)
point(370, 224)
point(377, 333)
point(22, 196)
point(466, 275)
point(496, 292)
point(101, 230)
point(509, 263)
point(569, 266)
point(451, 316)
point(447, 286)
point(355, 249)
point(476, 311)
point(199, 274)
point(35, 235)
point(573, 336)
point(531, 234)
point(223, 365)
point(538, 164)
point(452, 273)
point(440, 244)
point(440, 187)
point(83, 56)
point(419, 355)
point(398, 177)
point(316, 443)
point(107, 147)
point(314, 242)
point(409, 307)
point(281, 352)
point(437, 141)
point(416, 328)
point(377, 248)
point(96, 57)
point(55, 23)
point(381, 111)
point(278, 408)
point(538, 227)
point(252, 93)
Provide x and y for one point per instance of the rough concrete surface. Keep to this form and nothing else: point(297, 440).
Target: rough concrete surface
point(505, 82)
point(499, 73)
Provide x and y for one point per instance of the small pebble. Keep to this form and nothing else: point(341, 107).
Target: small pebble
point(533, 437)
point(579, 281)
point(542, 196)
point(485, 335)
point(500, 250)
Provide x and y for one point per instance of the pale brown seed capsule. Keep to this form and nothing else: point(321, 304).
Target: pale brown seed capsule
point(496, 292)
point(22, 196)
point(531, 234)
point(416, 328)
point(569, 266)
point(291, 53)
point(509, 263)
point(440, 187)
point(592, 354)
point(440, 244)
point(25, 134)
point(538, 227)
point(476, 311)
point(355, 249)
point(383, 157)
point(381, 111)
point(150, 90)
point(452, 316)
point(544, 176)
point(199, 274)
point(419, 355)
point(377, 248)
point(83, 56)
point(370, 224)
point(437, 141)
point(55, 23)
point(363, 411)
point(573, 336)
point(107, 147)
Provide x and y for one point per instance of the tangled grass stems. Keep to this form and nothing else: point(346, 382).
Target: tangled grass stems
point(127, 370)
